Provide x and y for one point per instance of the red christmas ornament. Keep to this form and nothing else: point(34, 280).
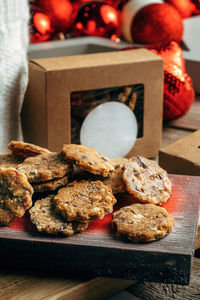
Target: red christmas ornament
point(61, 13)
point(40, 29)
point(97, 19)
point(151, 23)
point(114, 3)
point(178, 90)
point(185, 7)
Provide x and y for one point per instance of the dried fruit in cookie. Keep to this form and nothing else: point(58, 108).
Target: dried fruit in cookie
point(146, 181)
point(45, 167)
point(88, 159)
point(15, 195)
point(25, 149)
point(142, 222)
point(84, 201)
point(51, 185)
point(43, 215)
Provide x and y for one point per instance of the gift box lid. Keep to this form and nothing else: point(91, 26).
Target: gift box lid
point(96, 60)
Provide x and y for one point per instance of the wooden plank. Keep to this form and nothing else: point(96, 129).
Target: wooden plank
point(31, 286)
point(159, 291)
point(97, 252)
point(23, 287)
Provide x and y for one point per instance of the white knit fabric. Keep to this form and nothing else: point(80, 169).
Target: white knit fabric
point(14, 16)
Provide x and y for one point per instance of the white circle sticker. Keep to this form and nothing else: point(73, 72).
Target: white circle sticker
point(110, 128)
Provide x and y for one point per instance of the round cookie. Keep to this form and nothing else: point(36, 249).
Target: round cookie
point(84, 201)
point(43, 215)
point(88, 159)
point(146, 181)
point(10, 161)
point(142, 222)
point(45, 167)
point(25, 149)
point(15, 195)
point(51, 185)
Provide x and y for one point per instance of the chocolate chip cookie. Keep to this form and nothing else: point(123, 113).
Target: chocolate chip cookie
point(146, 181)
point(43, 215)
point(51, 185)
point(25, 150)
point(45, 167)
point(15, 195)
point(142, 222)
point(84, 201)
point(88, 159)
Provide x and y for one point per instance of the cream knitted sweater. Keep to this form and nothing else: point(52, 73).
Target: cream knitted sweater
point(14, 15)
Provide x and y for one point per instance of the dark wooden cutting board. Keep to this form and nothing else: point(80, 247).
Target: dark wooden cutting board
point(96, 252)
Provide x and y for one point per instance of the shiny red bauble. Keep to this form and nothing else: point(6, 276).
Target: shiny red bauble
point(40, 29)
point(156, 23)
point(178, 89)
point(178, 93)
point(97, 19)
point(61, 13)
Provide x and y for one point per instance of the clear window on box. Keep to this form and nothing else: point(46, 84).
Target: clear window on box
point(83, 102)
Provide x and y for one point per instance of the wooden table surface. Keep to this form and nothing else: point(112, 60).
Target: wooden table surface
point(36, 286)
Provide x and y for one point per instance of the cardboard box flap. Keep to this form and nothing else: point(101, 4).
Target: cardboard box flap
point(36, 66)
point(187, 148)
point(95, 60)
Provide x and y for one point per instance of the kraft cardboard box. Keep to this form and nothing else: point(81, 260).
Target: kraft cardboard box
point(46, 112)
point(183, 156)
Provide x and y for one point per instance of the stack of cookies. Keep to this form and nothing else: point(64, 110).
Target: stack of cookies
point(15, 190)
point(79, 184)
point(150, 185)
